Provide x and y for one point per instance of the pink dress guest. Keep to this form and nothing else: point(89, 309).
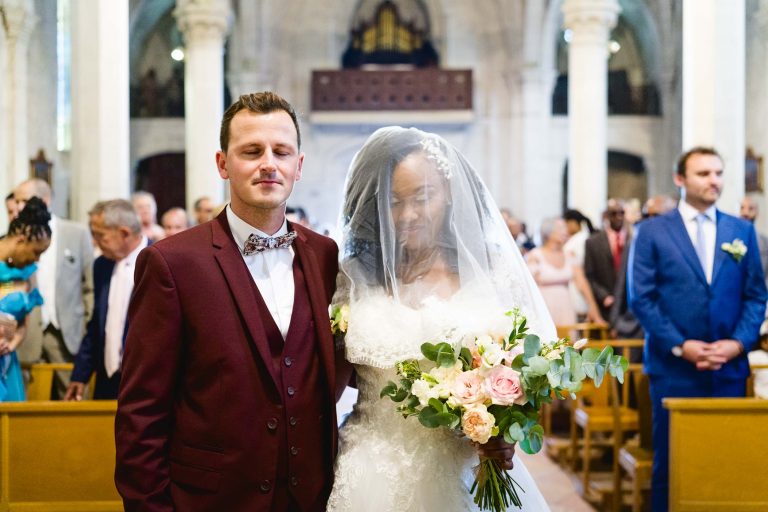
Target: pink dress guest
point(553, 283)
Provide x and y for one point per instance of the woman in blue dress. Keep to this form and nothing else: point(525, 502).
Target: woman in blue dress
point(29, 235)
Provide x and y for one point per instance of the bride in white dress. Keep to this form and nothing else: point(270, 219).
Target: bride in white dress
point(425, 251)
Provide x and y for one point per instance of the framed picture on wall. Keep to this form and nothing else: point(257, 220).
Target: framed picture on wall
point(41, 168)
point(753, 172)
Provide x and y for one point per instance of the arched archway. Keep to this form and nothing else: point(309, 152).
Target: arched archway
point(627, 177)
point(163, 176)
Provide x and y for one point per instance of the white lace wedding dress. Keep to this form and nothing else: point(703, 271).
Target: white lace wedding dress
point(387, 463)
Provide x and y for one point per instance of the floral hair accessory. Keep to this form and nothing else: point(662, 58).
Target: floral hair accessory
point(436, 155)
point(737, 249)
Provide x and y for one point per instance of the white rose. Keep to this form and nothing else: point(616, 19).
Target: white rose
point(553, 354)
point(422, 390)
point(580, 344)
point(445, 378)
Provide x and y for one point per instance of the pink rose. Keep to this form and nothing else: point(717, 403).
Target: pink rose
point(467, 389)
point(477, 424)
point(503, 386)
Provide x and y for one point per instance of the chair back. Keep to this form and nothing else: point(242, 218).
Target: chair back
point(583, 330)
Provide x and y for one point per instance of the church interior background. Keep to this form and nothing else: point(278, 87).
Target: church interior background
point(127, 94)
point(557, 103)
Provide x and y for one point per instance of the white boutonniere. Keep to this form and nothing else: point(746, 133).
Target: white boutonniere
point(737, 249)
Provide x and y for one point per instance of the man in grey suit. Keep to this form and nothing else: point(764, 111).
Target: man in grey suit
point(65, 280)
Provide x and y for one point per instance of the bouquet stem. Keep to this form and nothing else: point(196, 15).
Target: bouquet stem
point(494, 488)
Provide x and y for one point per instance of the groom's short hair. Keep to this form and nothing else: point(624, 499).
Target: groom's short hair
point(263, 102)
point(682, 162)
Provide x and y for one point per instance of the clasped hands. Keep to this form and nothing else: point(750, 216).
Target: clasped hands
point(7, 334)
point(710, 356)
point(497, 449)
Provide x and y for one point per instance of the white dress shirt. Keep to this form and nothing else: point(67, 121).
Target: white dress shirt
point(271, 270)
point(46, 278)
point(689, 214)
point(120, 289)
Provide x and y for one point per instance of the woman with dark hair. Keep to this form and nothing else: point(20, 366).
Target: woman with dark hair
point(29, 235)
point(579, 229)
point(425, 252)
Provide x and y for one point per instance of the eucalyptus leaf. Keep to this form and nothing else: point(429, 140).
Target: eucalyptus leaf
point(389, 390)
point(516, 432)
point(400, 395)
point(531, 347)
point(539, 365)
point(428, 417)
point(430, 351)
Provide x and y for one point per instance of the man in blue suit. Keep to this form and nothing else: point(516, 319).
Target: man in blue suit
point(116, 230)
point(696, 285)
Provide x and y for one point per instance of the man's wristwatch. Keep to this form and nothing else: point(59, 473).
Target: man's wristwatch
point(677, 351)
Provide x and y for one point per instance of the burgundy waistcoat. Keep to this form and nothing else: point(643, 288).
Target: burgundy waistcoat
point(304, 469)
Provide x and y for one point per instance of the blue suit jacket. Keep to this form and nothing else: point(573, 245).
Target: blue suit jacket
point(669, 294)
point(90, 357)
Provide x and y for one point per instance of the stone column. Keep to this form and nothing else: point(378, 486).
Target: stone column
point(714, 87)
point(100, 156)
point(204, 25)
point(590, 22)
point(19, 19)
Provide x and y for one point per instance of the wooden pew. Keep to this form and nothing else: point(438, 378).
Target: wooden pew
point(58, 456)
point(717, 453)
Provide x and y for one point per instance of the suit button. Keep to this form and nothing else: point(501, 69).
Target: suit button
point(291, 391)
point(294, 481)
point(272, 423)
point(294, 450)
point(265, 486)
point(288, 361)
point(293, 421)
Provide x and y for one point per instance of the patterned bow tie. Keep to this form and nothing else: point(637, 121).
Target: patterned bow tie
point(257, 244)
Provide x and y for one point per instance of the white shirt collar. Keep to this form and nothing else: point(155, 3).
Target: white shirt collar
point(130, 260)
point(241, 230)
point(689, 213)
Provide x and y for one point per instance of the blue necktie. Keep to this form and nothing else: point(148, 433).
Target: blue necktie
point(701, 247)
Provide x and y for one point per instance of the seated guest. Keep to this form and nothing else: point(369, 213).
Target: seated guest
point(174, 221)
point(146, 208)
point(117, 231)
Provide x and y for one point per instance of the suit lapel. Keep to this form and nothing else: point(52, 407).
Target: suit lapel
point(237, 276)
point(319, 305)
point(682, 241)
point(722, 235)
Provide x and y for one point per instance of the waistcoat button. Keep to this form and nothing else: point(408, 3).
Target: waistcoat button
point(272, 423)
point(288, 361)
point(294, 450)
point(291, 391)
point(265, 486)
point(293, 421)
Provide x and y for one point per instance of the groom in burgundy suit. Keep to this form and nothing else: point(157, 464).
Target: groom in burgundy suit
point(227, 400)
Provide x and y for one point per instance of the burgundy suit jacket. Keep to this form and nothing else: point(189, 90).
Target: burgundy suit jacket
point(198, 386)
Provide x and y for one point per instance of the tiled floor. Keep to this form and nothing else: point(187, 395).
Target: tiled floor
point(554, 484)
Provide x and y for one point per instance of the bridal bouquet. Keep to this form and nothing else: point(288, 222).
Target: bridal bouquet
point(489, 384)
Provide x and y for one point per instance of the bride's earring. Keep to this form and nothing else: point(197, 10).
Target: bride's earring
point(9, 260)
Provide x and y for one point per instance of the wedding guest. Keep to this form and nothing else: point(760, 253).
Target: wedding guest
point(174, 221)
point(204, 210)
point(29, 236)
point(700, 302)
point(553, 271)
point(65, 281)
point(146, 208)
point(748, 211)
point(229, 361)
point(658, 205)
point(603, 254)
point(579, 229)
point(117, 231)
